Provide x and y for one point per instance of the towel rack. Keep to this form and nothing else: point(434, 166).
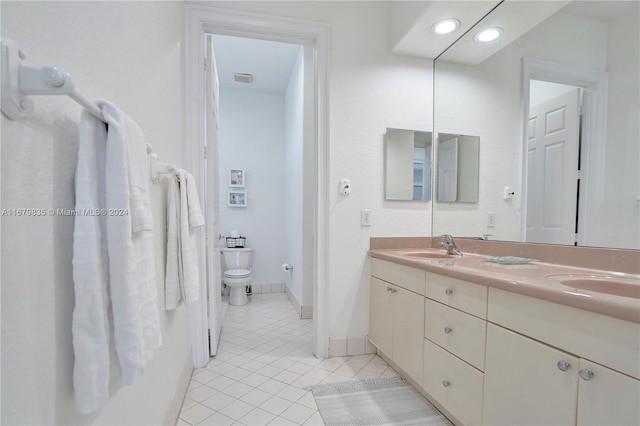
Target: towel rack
point(158, 167)
point(19, 81)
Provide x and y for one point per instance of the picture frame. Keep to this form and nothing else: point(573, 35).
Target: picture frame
point(237, 199)
point(236, 178)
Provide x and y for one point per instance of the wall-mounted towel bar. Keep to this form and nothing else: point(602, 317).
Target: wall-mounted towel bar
point(158, 168)
point(20, 80)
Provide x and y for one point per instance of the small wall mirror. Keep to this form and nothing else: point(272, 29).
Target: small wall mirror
point(407, 165)
point(458, 168)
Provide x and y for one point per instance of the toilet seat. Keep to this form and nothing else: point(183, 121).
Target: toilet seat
point(237, 273)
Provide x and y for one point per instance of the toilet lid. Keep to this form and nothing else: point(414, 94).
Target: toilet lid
point(237, 273)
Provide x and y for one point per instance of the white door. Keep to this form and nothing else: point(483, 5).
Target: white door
point(448, 170)
point(552, 170)
point(212, 204)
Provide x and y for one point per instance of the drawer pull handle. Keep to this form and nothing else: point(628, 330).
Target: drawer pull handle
point(448, 292)
point(586, 374)
point(446, 383)
point(448, 330)
point(563, 365)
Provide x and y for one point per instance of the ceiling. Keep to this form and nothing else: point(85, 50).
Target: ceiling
point(271, 63)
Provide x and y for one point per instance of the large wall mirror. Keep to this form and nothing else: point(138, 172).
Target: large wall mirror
point(555, 101)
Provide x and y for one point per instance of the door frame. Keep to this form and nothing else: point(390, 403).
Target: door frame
point(594, 131)
point(201, 20)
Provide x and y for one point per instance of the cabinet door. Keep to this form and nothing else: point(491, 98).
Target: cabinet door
point(380, 315)
point(607, 397)
point(524, 382)
point(408, 331)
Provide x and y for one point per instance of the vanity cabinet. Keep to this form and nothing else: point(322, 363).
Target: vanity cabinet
point(396, 314)
point(527, 382)
point(538, 370)
point(490, 356)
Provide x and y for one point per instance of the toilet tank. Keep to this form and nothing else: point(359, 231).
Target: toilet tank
point(236, 258)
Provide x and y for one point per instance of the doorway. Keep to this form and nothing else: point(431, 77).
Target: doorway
point(261, 136)
point(204, 20)
point(553, 163)
point(589, 89)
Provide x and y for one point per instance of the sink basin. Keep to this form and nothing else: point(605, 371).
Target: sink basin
point(608, 284)
point(429, 255)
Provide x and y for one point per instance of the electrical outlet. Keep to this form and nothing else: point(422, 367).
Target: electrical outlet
point(492, 219)
point(365, 217)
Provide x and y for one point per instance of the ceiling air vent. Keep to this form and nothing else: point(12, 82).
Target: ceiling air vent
point(242, 78)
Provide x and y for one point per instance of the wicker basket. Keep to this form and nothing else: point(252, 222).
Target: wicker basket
point(236, 242)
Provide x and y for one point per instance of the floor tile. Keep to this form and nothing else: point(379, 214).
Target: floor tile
point(297, 413)
point(196, 414)
point(257, 416)
point(236, 410)
point(264, 361)
point(275, 405)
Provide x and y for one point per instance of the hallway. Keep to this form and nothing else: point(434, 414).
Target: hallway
point(263, 363)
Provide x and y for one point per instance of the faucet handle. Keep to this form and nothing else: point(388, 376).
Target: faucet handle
point(448, 238)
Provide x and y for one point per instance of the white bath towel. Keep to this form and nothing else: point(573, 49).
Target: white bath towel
point(113, 259)
point(172, 296)
point(184, 216)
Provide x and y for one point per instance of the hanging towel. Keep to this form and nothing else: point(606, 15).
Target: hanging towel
point(184, 216)
point(190, 219)
point(115, 282)
point(172, 295)
point(91, 327)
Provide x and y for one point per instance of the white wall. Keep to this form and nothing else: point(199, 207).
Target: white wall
point(293, 180)
point(129, 53)
point(370, 89)
point(252, 136)
point(486, 101)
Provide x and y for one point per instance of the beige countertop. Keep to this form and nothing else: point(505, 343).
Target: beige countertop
point(537, 279)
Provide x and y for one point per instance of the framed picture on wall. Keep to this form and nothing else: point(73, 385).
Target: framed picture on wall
point(237, 199)
point(236, 178)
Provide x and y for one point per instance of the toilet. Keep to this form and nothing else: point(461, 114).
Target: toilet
point(236, 267)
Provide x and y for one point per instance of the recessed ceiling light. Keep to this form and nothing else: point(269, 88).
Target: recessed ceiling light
point(445, 26)
point(488, 34)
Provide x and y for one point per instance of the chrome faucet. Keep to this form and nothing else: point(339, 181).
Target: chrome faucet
point(450, 245)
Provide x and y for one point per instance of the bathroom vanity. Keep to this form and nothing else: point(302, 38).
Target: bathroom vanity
point(491, 343)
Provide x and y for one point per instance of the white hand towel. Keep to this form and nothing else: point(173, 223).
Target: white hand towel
point(91, 327)
point(113, 262)
point(131, 255)
point(172, 297)
point(196, 218)
point(190, 284)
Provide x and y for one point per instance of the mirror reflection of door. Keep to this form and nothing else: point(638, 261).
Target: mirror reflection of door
point(553, 163)
point(448, 170)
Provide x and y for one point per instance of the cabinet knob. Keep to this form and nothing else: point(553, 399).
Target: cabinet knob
point(448, 292)
point(388, 288)
point(586, 374)
point(393, 290)
point(447, 330)
point(446, 383)
point(563, 365)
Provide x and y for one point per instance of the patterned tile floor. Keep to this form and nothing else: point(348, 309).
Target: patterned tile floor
point(263, 363)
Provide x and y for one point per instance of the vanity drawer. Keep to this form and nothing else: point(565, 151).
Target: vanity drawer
point(453, 383)
point(459, 333)
point(408, 278)
point(462, 295)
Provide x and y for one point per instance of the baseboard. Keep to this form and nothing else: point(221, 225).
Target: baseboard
point(181, 391)
point(260, 288)
point(348, 346)
point(304, 311)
